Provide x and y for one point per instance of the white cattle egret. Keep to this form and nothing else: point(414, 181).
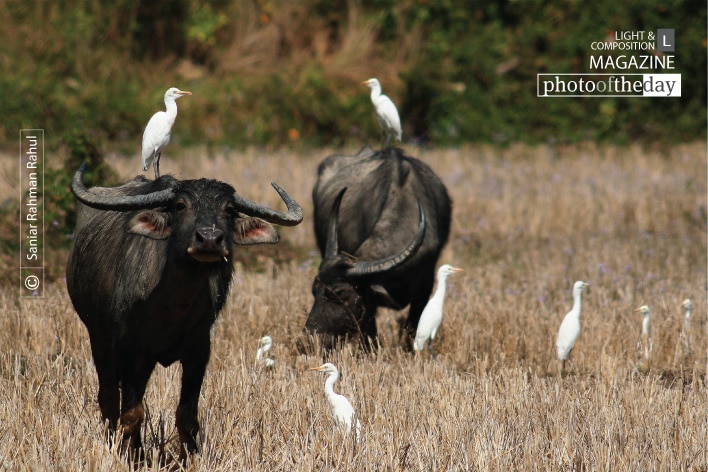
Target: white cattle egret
point(686, 333)
point(645, 342)
point(570, 326)
point(687, 308)
point(644, 310)
point(386, 112)
point(264, 345)
point(342, 410)
point(432, 315)
point(158, 130)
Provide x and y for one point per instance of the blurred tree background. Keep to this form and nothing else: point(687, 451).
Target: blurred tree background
point(281, 72)
point(275, 73)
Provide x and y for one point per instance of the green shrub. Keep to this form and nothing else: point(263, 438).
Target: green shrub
point(60, 205)
point(467, 69)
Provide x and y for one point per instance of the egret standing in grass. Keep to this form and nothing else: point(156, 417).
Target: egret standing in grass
point(687, 308)
point(645, 343)
point(386, 112)
point(432, 315)
point(342, 410)
point(264, 345)
point(686, 333)
point(570, 326)
point(158, 130)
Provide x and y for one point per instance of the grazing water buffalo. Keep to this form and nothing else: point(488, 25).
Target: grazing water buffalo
point(148, 273)
point(380, 241)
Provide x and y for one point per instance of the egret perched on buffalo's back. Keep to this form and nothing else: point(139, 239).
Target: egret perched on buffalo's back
point(342, 410)
point(432, 315)
point(570, 326)
point(158, 130)
point(264, 345)
point(386, 112)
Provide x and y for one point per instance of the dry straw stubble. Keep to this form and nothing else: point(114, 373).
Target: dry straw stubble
point(527, 222)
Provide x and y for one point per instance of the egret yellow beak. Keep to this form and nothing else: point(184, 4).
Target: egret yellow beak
point(184, 92)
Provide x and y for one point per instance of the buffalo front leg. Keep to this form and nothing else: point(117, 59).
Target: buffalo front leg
point(368, 331)
point(104, 358)
point(135, 373)
point(108, 397)
point(193, 370)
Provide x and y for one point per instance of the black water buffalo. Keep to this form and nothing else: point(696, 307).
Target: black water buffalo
point(148, 273)
point(380, 247)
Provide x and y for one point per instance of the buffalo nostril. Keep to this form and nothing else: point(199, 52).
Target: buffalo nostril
point(210, 236)
point(208, 245)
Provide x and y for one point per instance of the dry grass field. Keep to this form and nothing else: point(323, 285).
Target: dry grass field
point(527, 223)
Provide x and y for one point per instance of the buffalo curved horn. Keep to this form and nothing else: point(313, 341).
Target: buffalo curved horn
point(332, 246)
point(383, 265)
point(291, 218)
point(116, 202)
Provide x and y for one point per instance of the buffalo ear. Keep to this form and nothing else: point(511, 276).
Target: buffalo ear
point(150, 223)
point(251, 230)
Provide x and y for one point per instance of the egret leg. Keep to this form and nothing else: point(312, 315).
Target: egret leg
point(430, 348)
point(386, 138)
point(156, 166)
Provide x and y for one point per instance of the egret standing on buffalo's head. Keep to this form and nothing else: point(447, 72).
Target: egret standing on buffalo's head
point(159, 130)
point(381, 220)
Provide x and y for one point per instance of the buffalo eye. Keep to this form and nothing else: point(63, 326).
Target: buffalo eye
point(331, 294)
point(230, 209)
point(320, 287)
point(180, 205)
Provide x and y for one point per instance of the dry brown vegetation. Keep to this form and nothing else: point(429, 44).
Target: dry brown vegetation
point(527, 223)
